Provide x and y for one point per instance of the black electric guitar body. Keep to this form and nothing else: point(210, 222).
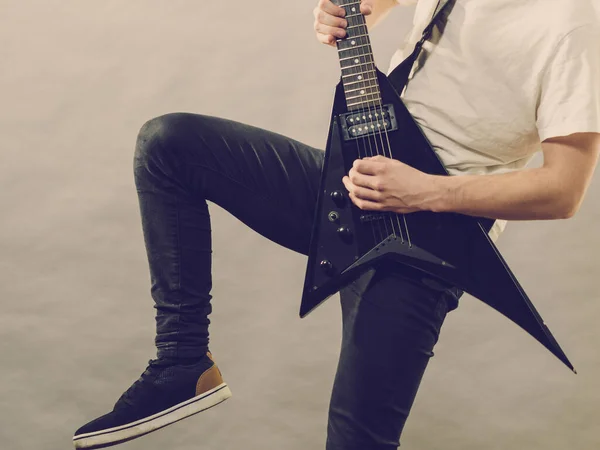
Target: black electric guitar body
point(369, 119)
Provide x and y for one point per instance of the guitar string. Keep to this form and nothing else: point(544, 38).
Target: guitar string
point(385, 133)
point(371, 100)
point(374, 99)
point(387, 138)
point(364, 139)
point(360, 140)
point(365, 84)
point(354, 53)
point(357, 69)
point(377, 101)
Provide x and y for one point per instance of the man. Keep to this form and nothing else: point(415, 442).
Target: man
point(505, 79)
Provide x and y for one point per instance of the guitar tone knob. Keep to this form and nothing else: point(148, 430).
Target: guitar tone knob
point(338, 198)
point(326, 266)
point(344, 232)
point(333, 216)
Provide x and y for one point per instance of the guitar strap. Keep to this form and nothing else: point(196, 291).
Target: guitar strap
point(399, 76)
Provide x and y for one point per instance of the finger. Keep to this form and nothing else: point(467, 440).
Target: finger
point(326, 39)
point(329, 19)
point(366, 7)
point(369, 167)
point(328, 24)
point(347, 183)
point(365, 204)
point(364, 181)
point(335, 32)
point(361, 191)
point(329, 7)
point(367, 194)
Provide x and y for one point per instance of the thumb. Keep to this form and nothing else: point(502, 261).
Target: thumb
point(366, 7)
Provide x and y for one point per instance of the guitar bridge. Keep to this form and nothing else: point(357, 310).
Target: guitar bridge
point(365, 218)
point(358, 124)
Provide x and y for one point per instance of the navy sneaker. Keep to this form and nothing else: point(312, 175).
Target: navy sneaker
point(164, 393)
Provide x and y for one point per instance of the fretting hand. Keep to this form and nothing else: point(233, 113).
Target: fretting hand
point(330, 24)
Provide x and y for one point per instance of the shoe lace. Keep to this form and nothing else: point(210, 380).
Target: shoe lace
point(147, 376)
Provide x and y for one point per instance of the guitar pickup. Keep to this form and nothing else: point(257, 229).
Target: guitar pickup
point(358, 124)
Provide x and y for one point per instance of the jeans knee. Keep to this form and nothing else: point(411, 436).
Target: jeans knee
point(153, 137)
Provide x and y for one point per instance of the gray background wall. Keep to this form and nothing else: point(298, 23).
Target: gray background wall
point(78, 80)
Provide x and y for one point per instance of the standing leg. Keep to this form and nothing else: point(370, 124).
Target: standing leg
point(388, 337)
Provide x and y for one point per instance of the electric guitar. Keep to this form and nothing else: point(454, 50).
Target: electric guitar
point(368, 119)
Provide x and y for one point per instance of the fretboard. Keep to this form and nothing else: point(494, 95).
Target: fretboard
point(356, 60)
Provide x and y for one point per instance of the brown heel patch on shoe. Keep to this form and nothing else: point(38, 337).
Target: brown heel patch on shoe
point(209, 380)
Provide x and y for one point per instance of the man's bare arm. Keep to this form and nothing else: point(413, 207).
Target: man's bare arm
point(554, 191)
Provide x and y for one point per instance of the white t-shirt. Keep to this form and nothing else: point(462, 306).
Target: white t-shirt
point(504, 76)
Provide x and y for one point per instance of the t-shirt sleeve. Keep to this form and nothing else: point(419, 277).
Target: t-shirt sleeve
point(569, 99)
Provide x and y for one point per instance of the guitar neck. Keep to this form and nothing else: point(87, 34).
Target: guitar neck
point(359, 75)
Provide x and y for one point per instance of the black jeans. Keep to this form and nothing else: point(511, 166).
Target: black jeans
point(270, 183)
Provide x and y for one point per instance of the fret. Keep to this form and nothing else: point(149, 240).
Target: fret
point(347, 84)
point(366, 81)
point(357, 44)
point(363, 83)
point(358, 68)
point(352, 63)
point(360, 76)
point(363, 105)
point(374, 94)
point(355, 33)
point(372, 82)
point(353, 42)
point(353, 6)
point(361, 89)
point(353, 48)
point(362, 93)
point(360, 50)
point(355, 82)
point(354, 57)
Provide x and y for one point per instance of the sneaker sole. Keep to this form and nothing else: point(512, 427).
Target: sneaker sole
point(117, 435)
